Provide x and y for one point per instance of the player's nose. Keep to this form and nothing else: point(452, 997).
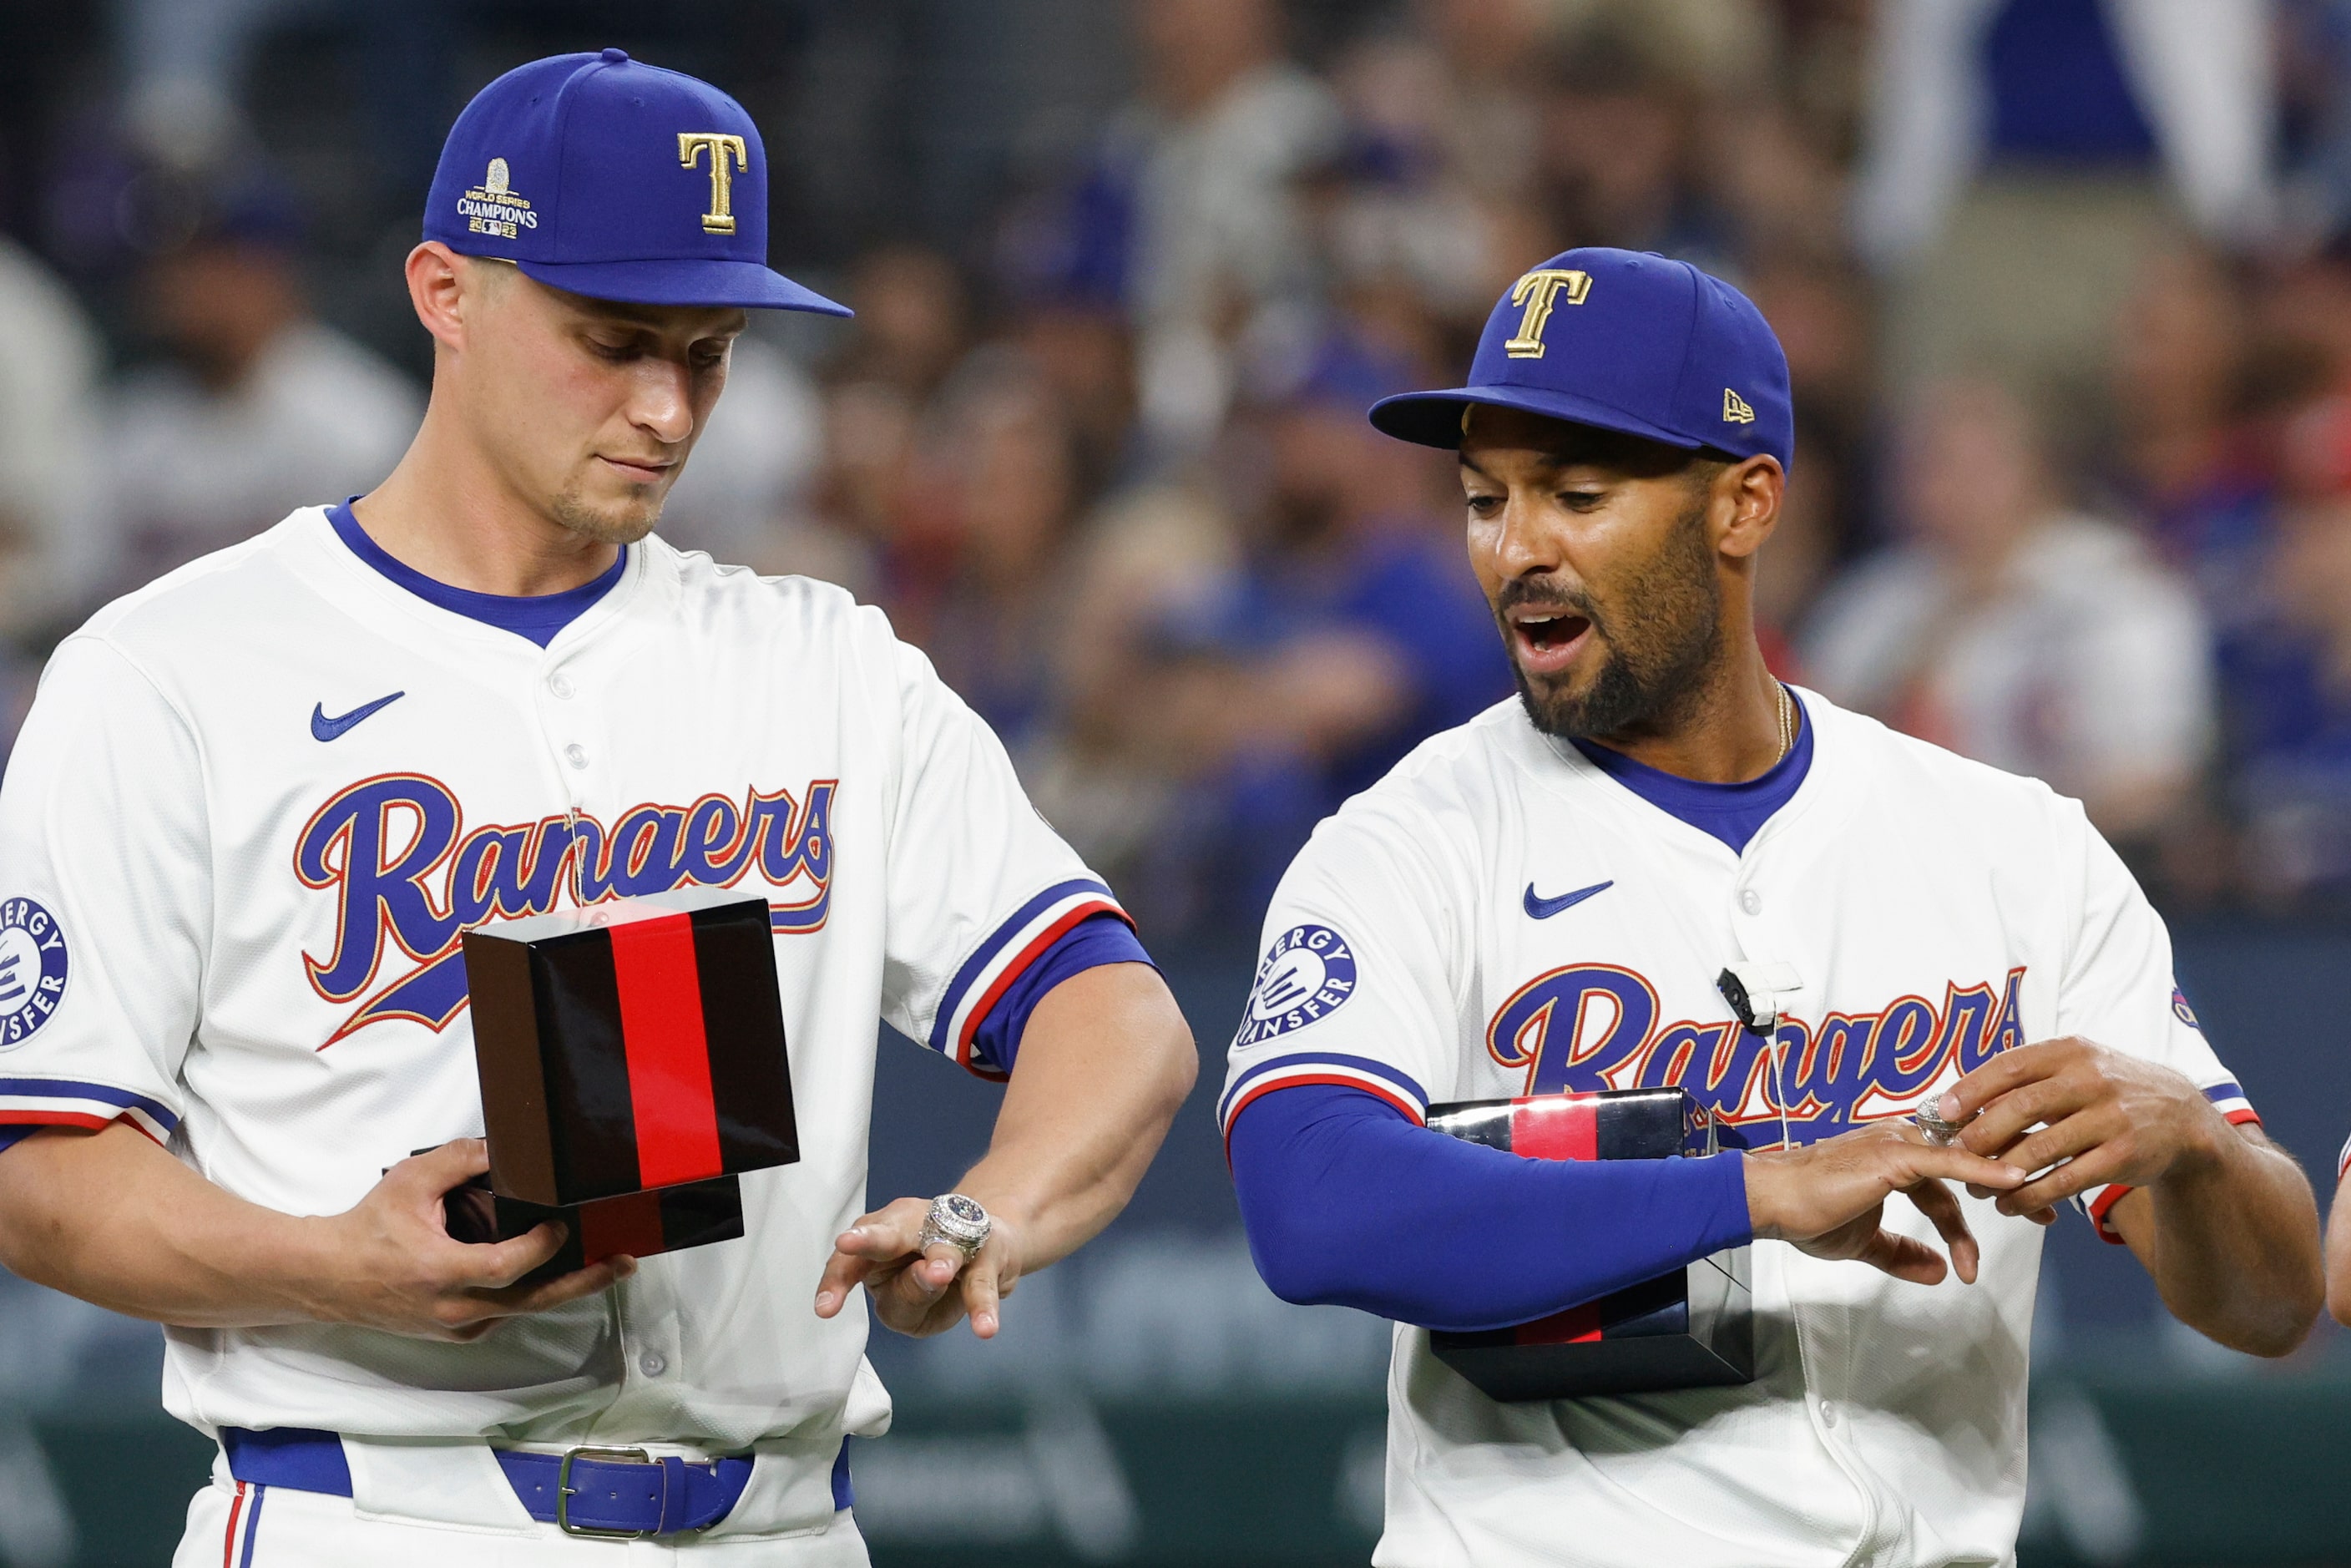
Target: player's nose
point(662, 400)
point(1522, 546)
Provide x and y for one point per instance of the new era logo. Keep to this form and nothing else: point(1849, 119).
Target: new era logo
point(1735, 409)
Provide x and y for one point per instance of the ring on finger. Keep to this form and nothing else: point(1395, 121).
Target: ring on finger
point(1939, 1133)
point(956, 1221)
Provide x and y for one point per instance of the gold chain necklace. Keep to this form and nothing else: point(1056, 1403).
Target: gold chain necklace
point(1787, 723)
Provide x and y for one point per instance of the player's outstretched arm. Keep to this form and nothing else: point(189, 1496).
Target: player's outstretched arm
point(1829, 1199)
point(112, 1219)
point(1104, 1062)
point(2221, 1217)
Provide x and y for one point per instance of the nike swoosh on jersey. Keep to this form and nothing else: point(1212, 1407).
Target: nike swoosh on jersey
point(325, 728)
point(1544, 908)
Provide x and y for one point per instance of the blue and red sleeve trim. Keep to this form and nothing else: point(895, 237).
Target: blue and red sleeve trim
point(2227, 1099)
point(1334, 1069)
point(1070, 927)
point(29, 1105)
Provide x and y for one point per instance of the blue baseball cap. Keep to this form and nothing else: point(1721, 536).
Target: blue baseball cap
point(1627, 341)
point(615, 180)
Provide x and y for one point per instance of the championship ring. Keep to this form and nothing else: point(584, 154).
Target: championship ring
point(958, 1221)
point(1939, 1133)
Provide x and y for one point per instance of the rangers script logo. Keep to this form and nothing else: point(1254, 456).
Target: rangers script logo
point(409, 877)
point(1586, 1027)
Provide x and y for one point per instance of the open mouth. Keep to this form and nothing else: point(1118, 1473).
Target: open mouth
point(1546, 640)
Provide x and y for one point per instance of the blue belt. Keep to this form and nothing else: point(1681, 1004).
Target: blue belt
point(599, 1492)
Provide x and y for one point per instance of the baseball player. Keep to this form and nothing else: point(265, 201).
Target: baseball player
point(257, 802)
point(1543, 899)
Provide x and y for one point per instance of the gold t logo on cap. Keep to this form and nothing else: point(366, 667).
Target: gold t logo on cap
point(720, 218)
point(1538, 290)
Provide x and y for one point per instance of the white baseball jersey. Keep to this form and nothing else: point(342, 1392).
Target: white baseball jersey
point(253, 807)
point(1499, 917)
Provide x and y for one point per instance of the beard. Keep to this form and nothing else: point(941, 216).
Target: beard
point(1655, 638)
point(622, 523)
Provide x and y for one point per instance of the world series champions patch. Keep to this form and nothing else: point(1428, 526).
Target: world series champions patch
point(33, 967)
point(1309, 972)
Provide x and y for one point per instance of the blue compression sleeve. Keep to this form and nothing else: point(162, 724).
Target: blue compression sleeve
point(1097, 939)
point(1348, 1203)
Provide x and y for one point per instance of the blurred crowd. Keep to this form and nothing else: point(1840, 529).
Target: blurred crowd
point(2065, 287)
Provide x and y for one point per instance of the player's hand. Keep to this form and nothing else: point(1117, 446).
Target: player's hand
point(390, 1262)
point(1829, 1199)
point(920, 1292)
point(2110, 1117)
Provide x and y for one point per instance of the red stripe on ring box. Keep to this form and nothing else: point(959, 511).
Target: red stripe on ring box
point(630, 1224)
point(1577, 1325)
point(668, 1053)
point(1555, 1127)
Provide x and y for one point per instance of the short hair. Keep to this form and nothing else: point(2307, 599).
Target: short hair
point(1705, 464)
point(496, 273)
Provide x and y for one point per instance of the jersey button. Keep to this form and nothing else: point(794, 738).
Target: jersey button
point(1828, 1414)
point(560, 684)
point(653, 1364)
point(576, 755)
point(1750, 901)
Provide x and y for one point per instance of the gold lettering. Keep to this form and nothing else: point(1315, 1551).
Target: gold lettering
point(1735, 409)
point(1538, 290)
point(720, 218)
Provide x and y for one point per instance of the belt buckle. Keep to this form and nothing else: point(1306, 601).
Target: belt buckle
point(564, 1491)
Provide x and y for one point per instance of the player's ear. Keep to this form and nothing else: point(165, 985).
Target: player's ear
point(441, 291)
point(1746, 498)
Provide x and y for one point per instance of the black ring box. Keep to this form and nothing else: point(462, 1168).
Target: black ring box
point(632, 1066)
point(638, 1224)
point(1692, 1328)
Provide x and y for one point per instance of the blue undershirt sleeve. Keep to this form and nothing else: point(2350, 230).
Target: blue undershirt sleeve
point(1096, 940)
point(1348, 1202)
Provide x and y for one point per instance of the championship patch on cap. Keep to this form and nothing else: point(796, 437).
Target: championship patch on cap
point(494, 207)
